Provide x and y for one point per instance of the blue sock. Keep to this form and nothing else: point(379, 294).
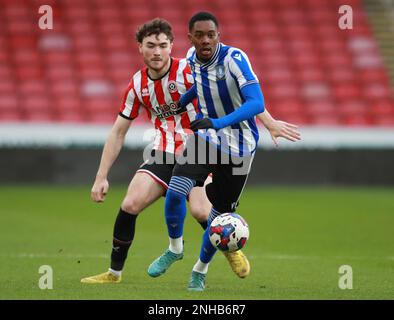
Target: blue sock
point(207, 249)
point(212, 215)
point(175, 204)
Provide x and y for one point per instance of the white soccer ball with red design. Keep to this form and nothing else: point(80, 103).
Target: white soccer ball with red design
point(229, 232)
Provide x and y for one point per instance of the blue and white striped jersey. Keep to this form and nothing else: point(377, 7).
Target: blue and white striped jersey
point(218, 83)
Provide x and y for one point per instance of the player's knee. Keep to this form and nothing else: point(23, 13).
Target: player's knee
point(199, 212)
point(132, 206)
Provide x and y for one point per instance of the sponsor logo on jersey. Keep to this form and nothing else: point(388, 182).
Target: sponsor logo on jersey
point(164, 110)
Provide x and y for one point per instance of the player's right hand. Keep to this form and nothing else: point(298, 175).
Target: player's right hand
point(99, 190)
point(204, 123)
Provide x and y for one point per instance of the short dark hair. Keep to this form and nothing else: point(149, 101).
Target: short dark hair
point(155, 26)
point(202, 16)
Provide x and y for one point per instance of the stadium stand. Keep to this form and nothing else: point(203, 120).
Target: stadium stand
point(311, 72)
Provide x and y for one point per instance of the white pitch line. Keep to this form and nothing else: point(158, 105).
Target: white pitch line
point(266, 257)
point(59, 255)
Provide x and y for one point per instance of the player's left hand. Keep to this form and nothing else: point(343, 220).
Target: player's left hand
point(204, 123)
point(282, 129)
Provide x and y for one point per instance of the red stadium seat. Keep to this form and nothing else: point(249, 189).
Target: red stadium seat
point(278, 75)
point(384, 121)
point(286, 107)
point(340, 75)
point(311, 74)
point(10, 116)
point(34, 116)
point(85, 42)
point(8, 103)
point(353, 108)
point(71, 117)
point(33, 87)
point(117, 43)
point(320, 108)
point(346, 91)
point(309, 60)
point(357, 120)
point(382, 108)
point(7, 87)
point(26, 57)
point(377, 91)
point(61, 73)
point(311, 91)
point(103, 117)
point(375, 75)
point(326, 120)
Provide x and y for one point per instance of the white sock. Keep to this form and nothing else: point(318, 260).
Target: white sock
point(115, 273)
point(176, 245)
point(201, 267)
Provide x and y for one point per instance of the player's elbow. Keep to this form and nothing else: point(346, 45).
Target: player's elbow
point(258, 105)
point(255, 99)
point(260, 101)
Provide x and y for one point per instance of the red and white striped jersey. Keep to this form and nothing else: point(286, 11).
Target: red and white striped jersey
point(160, 98)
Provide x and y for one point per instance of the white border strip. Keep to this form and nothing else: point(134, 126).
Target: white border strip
point(335, 137)
point(76, 135)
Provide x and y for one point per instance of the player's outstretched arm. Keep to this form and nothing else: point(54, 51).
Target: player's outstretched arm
point(253, 105)
point(278, 128)
point(111, 150)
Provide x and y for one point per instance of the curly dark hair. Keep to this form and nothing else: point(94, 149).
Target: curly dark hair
point(203, 16)
point(155, 26)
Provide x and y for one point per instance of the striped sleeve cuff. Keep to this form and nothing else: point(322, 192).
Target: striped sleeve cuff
point(249, 82)
point(126, 117)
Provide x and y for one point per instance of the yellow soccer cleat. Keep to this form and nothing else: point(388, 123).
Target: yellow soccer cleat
point(239, 263)
point(106, 277)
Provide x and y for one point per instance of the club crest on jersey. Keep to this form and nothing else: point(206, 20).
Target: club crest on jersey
point(145, 92)
point(172, 86)
point(220, 72)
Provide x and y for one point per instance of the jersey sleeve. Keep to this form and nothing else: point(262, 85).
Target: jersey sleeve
point(190, 62)
point(190, 53)
point(189, 82)
point(239, 66)
point(130, 103)
point(188, 77)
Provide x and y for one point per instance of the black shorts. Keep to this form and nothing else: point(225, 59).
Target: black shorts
point(159, 166)
point(229, 173)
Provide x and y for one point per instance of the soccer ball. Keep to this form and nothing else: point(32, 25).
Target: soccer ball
point(228, 232)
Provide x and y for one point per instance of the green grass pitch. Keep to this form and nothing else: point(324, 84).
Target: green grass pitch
point(299, 237)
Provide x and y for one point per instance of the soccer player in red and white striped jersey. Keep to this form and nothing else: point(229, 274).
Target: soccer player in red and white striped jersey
point(160, 96)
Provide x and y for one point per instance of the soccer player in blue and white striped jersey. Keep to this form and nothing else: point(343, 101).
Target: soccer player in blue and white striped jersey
point(229, 98)
point(224, 84)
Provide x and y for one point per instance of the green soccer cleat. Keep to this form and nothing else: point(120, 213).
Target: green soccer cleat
point(197, 281)
point(162, 263)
